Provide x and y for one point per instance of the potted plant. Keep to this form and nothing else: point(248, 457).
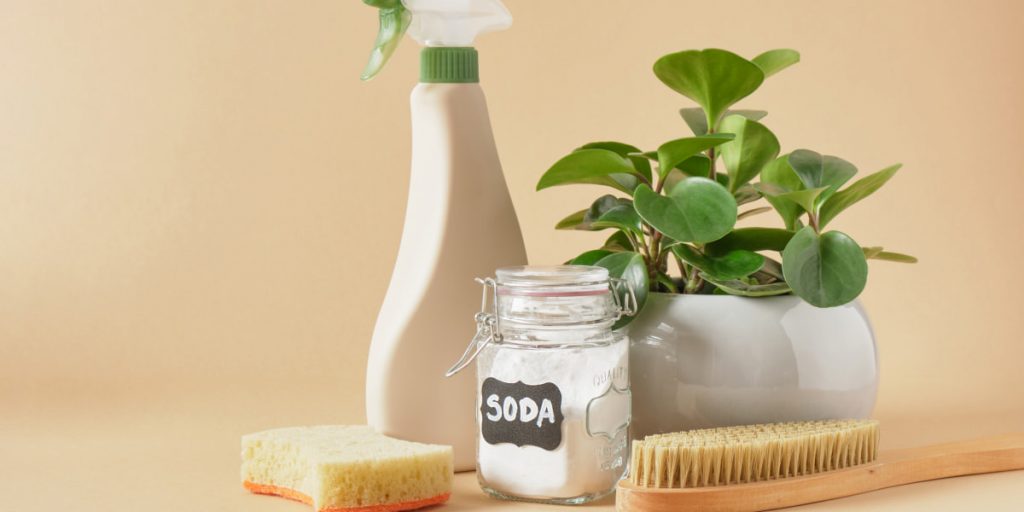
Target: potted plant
point(738, 325)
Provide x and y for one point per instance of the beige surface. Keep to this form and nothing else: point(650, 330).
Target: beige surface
point(178, 449)
point(199, 202)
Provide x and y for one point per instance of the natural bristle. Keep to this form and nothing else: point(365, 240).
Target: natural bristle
point(751, 453)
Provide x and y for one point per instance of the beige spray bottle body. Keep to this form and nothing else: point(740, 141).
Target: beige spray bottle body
point(459, 224)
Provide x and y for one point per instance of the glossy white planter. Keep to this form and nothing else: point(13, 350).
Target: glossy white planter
point(712, 360)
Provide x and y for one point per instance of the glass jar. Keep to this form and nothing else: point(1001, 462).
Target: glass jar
point(553, 401)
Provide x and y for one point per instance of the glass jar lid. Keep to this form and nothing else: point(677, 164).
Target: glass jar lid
point(553, 281)
point(556, 297)
point(560, 297)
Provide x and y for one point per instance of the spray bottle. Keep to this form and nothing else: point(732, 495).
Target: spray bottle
point(459, 224)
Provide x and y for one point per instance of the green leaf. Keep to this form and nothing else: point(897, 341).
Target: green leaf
point(572, 220)
point(673, 179)
point(731, 265)
point(752, 149)
point(696, 166)
point(698, 122)
point(605, 212)
point(753, 211)
point(619, 148)
point(673, 153)
point(876, 253)
point(591, 166)
point(870, 252)
point(858, 190)
point(780, 174)
point(666, 281)
point(640, 164)
point(667, 244)
point(825, 270)
point(696, 119)
point(807, 199)
point(751, 239)
point(618, 242)
point(815, 170)
point(771, 270)
point(715, 79)
point(584, 220)
point(895, 256)
point(737, 287)
point(590, 257)
point(695, 210)
point(753, 115)
point(693, 167)
point(773, 61)
point(620, 217)
point(602, 205)
point(629, 266)
point(746, 194)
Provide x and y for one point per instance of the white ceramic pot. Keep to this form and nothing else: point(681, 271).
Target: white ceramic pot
point(715, 360)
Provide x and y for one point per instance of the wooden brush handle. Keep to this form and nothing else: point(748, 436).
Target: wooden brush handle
point(892, 468)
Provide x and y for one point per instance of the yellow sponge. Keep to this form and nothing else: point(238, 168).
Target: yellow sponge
point(339, 468)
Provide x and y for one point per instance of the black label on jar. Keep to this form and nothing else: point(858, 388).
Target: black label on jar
point(521, 414)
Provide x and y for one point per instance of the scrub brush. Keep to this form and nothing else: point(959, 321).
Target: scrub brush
point(764, 467)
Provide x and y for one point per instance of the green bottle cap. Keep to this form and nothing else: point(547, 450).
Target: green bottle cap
point(449, 65)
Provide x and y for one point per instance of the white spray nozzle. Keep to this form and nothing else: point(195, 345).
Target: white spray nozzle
point(455, 22)
point(446, 23)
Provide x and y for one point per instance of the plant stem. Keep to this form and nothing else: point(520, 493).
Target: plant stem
point(711, 156)
point(641, 245)
point(683, 269)
point(652, 258)
point(693, 284)
point(656, 246)
point(661, 182)
point(650, 261)
point(633, 240)
point(670, 285)
point(691, 275)
point(653, 255)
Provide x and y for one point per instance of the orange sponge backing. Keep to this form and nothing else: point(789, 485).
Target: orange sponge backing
point(292, 494)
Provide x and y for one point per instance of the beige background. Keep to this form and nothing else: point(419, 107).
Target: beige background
point(200, 204)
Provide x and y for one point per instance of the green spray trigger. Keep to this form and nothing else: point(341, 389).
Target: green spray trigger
point(394, 20)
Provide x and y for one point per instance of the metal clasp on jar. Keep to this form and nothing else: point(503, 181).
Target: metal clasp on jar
point(626, 304)
point(488, 321)
point(486, 327)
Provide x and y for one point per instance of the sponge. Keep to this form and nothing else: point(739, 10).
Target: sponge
point(339, 468)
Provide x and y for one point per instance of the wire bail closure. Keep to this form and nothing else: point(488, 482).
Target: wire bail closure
point(626, 304)
point(486, 327)
point(488, 321)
